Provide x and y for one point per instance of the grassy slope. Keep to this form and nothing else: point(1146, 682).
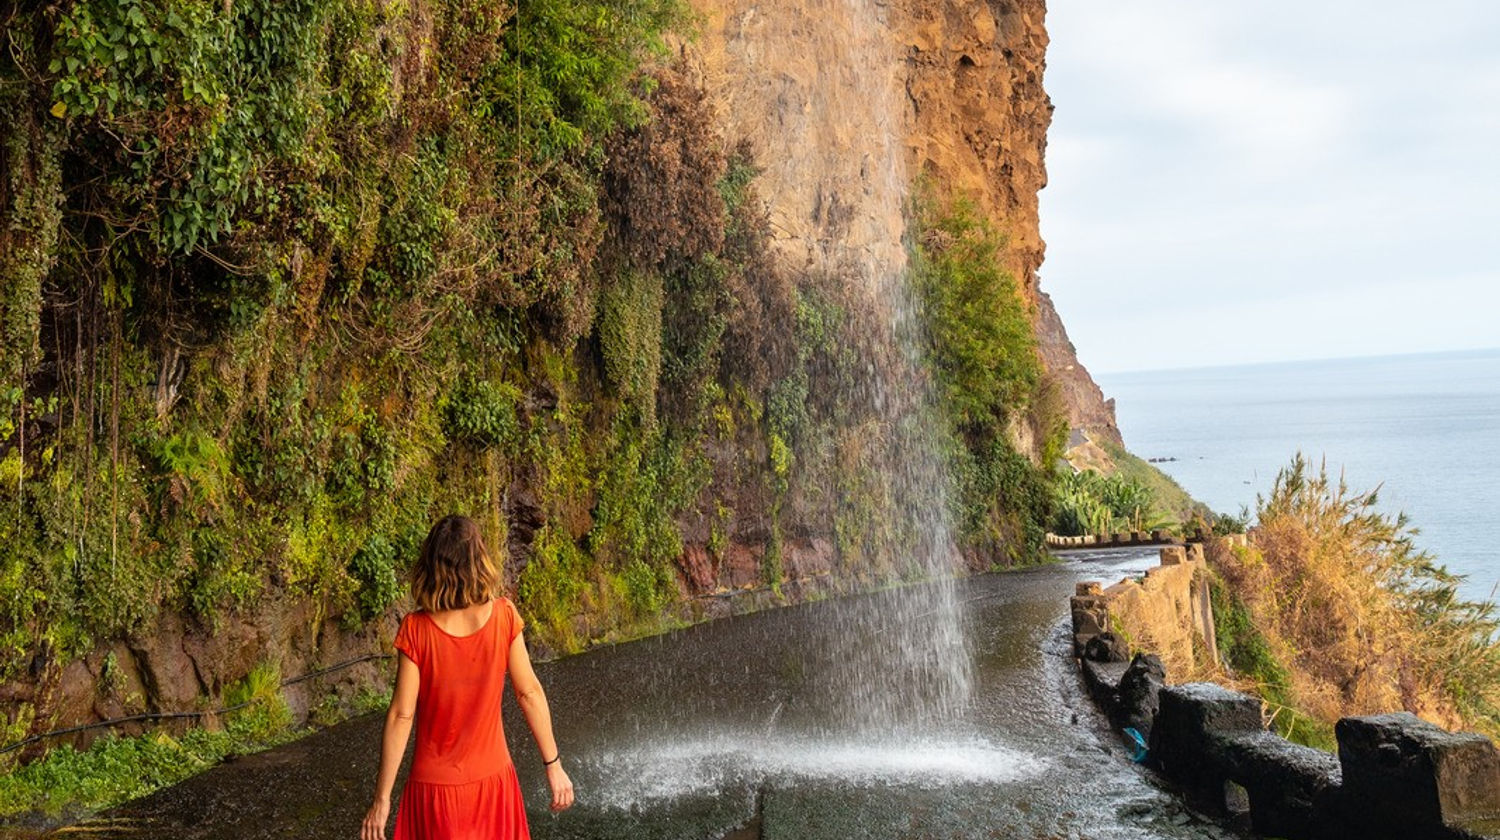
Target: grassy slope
point(1170, 495)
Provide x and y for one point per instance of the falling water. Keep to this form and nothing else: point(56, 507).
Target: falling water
point(916, 673)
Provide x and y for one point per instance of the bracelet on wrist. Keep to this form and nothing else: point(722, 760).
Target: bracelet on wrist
point(554, 760)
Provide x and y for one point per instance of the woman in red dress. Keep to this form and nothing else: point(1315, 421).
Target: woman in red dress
point(450, 674)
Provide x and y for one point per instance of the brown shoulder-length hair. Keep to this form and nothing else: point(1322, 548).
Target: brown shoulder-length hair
point(454, 570)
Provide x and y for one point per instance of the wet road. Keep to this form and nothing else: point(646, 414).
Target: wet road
point(721, 729)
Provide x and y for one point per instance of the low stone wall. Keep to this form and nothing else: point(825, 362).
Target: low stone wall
point(1167, 612)
point(1395, 777)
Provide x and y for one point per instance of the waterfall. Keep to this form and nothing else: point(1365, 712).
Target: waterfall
point(906, 663)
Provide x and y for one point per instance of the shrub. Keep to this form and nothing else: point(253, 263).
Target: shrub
point(630, 337)
point(1090, 503)
point(978, 341)
point(979, 335)
point(115, 769)
point(483, 413)
point(1373, 623)
point(374, 568)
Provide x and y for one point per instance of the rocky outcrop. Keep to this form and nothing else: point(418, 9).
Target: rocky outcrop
point(1090, 415)
point(182, 665)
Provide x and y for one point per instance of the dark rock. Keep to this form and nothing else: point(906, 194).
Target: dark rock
point(1406, 777)
point(1291, 788)
point(1103, 681)
point(1190, 720)
point(1106, 647)
point(1138, 694)
point(1081, 641)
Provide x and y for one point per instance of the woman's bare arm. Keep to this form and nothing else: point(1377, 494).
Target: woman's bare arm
point(533, 703)
point(398, 721)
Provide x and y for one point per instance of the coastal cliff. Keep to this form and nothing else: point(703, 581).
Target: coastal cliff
point(625, 325)
point(851, 103)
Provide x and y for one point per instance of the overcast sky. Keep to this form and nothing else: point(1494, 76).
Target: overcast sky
point(1234, 181)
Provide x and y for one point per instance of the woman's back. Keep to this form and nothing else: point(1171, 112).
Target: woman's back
point(460, 738)
point(450, 675)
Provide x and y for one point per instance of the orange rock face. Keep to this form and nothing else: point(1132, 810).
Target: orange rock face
point(847, 102)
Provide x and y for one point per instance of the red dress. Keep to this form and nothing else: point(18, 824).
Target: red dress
point(462, 784)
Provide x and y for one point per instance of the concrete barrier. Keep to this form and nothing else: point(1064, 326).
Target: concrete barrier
point(1206, 736)
point(1396, 776)
point(1122, 539)
point(1406, 777)
point(1168, 613)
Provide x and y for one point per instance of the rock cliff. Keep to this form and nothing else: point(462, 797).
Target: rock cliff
point(847, 102)
point(847, 105)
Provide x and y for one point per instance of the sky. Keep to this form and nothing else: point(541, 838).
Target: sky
point(1236, 182)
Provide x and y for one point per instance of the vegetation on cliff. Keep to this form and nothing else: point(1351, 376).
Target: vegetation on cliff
point(992, 388)
point(1333, 611)
point(1091, 503)
point(282, 281)
point(1106, 489)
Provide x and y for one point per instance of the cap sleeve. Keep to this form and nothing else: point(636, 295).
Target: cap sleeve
point(513, 620)
point(408, 639)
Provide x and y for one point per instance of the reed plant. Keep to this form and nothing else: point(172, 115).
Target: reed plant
point(1362, 619)
point(1088, 502)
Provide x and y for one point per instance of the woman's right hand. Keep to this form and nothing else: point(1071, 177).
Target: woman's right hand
point(373, 827)
point(562, 787)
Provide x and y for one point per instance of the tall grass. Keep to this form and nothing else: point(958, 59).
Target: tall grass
point(1364, 621)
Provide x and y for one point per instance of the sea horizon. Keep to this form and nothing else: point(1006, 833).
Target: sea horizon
point(1466, 351)
point(1422, 428)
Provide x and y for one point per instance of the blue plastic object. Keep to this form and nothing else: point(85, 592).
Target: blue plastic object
point(1137, 744)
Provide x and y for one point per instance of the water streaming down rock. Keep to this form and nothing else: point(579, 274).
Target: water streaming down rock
point(918, 672)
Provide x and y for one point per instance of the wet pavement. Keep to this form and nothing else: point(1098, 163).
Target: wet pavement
point(724, 729)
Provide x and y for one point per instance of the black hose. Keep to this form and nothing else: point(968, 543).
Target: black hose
point(159, 716)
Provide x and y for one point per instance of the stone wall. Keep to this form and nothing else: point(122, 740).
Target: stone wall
point(1167, 612)
point(1395, 777)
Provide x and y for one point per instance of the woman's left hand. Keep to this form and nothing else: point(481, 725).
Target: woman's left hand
point(562, 787)
point(374, 825)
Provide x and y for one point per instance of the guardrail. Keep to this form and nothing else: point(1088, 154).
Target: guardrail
point(1123, 539)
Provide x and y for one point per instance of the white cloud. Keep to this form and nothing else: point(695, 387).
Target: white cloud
point(1274, 158)
point(1192, 74)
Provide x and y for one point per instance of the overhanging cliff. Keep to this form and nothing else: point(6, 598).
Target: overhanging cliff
point(849, 102)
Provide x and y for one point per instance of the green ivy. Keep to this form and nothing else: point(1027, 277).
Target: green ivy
point(630, 337)
point(374, 568)
point(981, 348)
point(483, 413)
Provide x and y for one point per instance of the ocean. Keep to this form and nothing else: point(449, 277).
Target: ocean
point(1423, 428)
